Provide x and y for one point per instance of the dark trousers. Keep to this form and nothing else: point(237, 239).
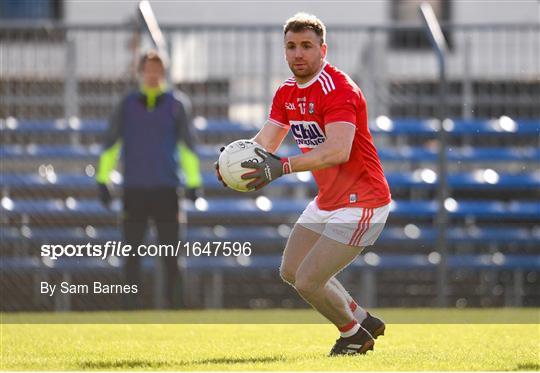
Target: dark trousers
point(161, 205)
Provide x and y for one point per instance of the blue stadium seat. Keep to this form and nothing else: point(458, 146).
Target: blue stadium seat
point(459, 180)
point(428, 128)
point(278, 208)
point(474, 180)
point(404, 126)
point(466, 180)
point(507, 262)
point(42, 152)
point(272, 262)
point(472, 208)
point(224, 210)
point(396, 126)
point(500, 154)
point(12, 236)
point(427, 235)
point(410, 179)
point(35, 182)
point(51, 127)
point(58, 235)
point(383, 262)
point(468, 154)
point(210, 153)
point(19, 265)
point(496, 127)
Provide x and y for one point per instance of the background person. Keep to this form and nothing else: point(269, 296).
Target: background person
point(152, 129)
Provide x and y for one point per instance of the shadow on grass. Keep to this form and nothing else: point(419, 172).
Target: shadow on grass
point(228, 360)
point(137, 363)
point(528, 366)
point(123, 363)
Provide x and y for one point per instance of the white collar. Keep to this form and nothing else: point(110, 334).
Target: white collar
point(314, 79)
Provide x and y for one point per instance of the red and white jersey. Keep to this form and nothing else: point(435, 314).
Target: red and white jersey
point(306, 109)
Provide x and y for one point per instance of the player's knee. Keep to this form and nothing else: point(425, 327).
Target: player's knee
point(286, 275)
point(306, 285)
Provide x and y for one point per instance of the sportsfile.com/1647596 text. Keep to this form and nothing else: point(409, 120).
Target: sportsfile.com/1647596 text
point(119, 249)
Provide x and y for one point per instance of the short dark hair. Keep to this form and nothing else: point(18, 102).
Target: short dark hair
point(304, 21)
point(151, 55)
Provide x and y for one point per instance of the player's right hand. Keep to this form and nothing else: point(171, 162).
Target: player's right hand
point(216, 165)
point(104, 195)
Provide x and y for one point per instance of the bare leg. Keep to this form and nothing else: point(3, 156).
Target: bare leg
point(299, 244)
point(335, 283)
point(324, 260)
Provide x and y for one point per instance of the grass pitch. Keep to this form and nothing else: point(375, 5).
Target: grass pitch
point(259, 347)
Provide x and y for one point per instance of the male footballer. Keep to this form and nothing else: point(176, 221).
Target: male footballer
point(327, 114)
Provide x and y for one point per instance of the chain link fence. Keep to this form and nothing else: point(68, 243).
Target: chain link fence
point(60, 82)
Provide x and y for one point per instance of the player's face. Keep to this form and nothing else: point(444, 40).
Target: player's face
point(304, 54)
point(152, 74)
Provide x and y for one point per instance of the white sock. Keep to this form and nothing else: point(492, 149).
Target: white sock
point(359, 313)
point(350, 329)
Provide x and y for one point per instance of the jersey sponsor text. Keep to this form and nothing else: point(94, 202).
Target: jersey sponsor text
point(307, 134)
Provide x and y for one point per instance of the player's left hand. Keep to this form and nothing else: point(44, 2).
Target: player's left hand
point(266, 171)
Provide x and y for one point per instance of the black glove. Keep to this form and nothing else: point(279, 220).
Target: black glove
point(266, 171)
point(216, 165)
point(193, 193)
point(104, 194)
